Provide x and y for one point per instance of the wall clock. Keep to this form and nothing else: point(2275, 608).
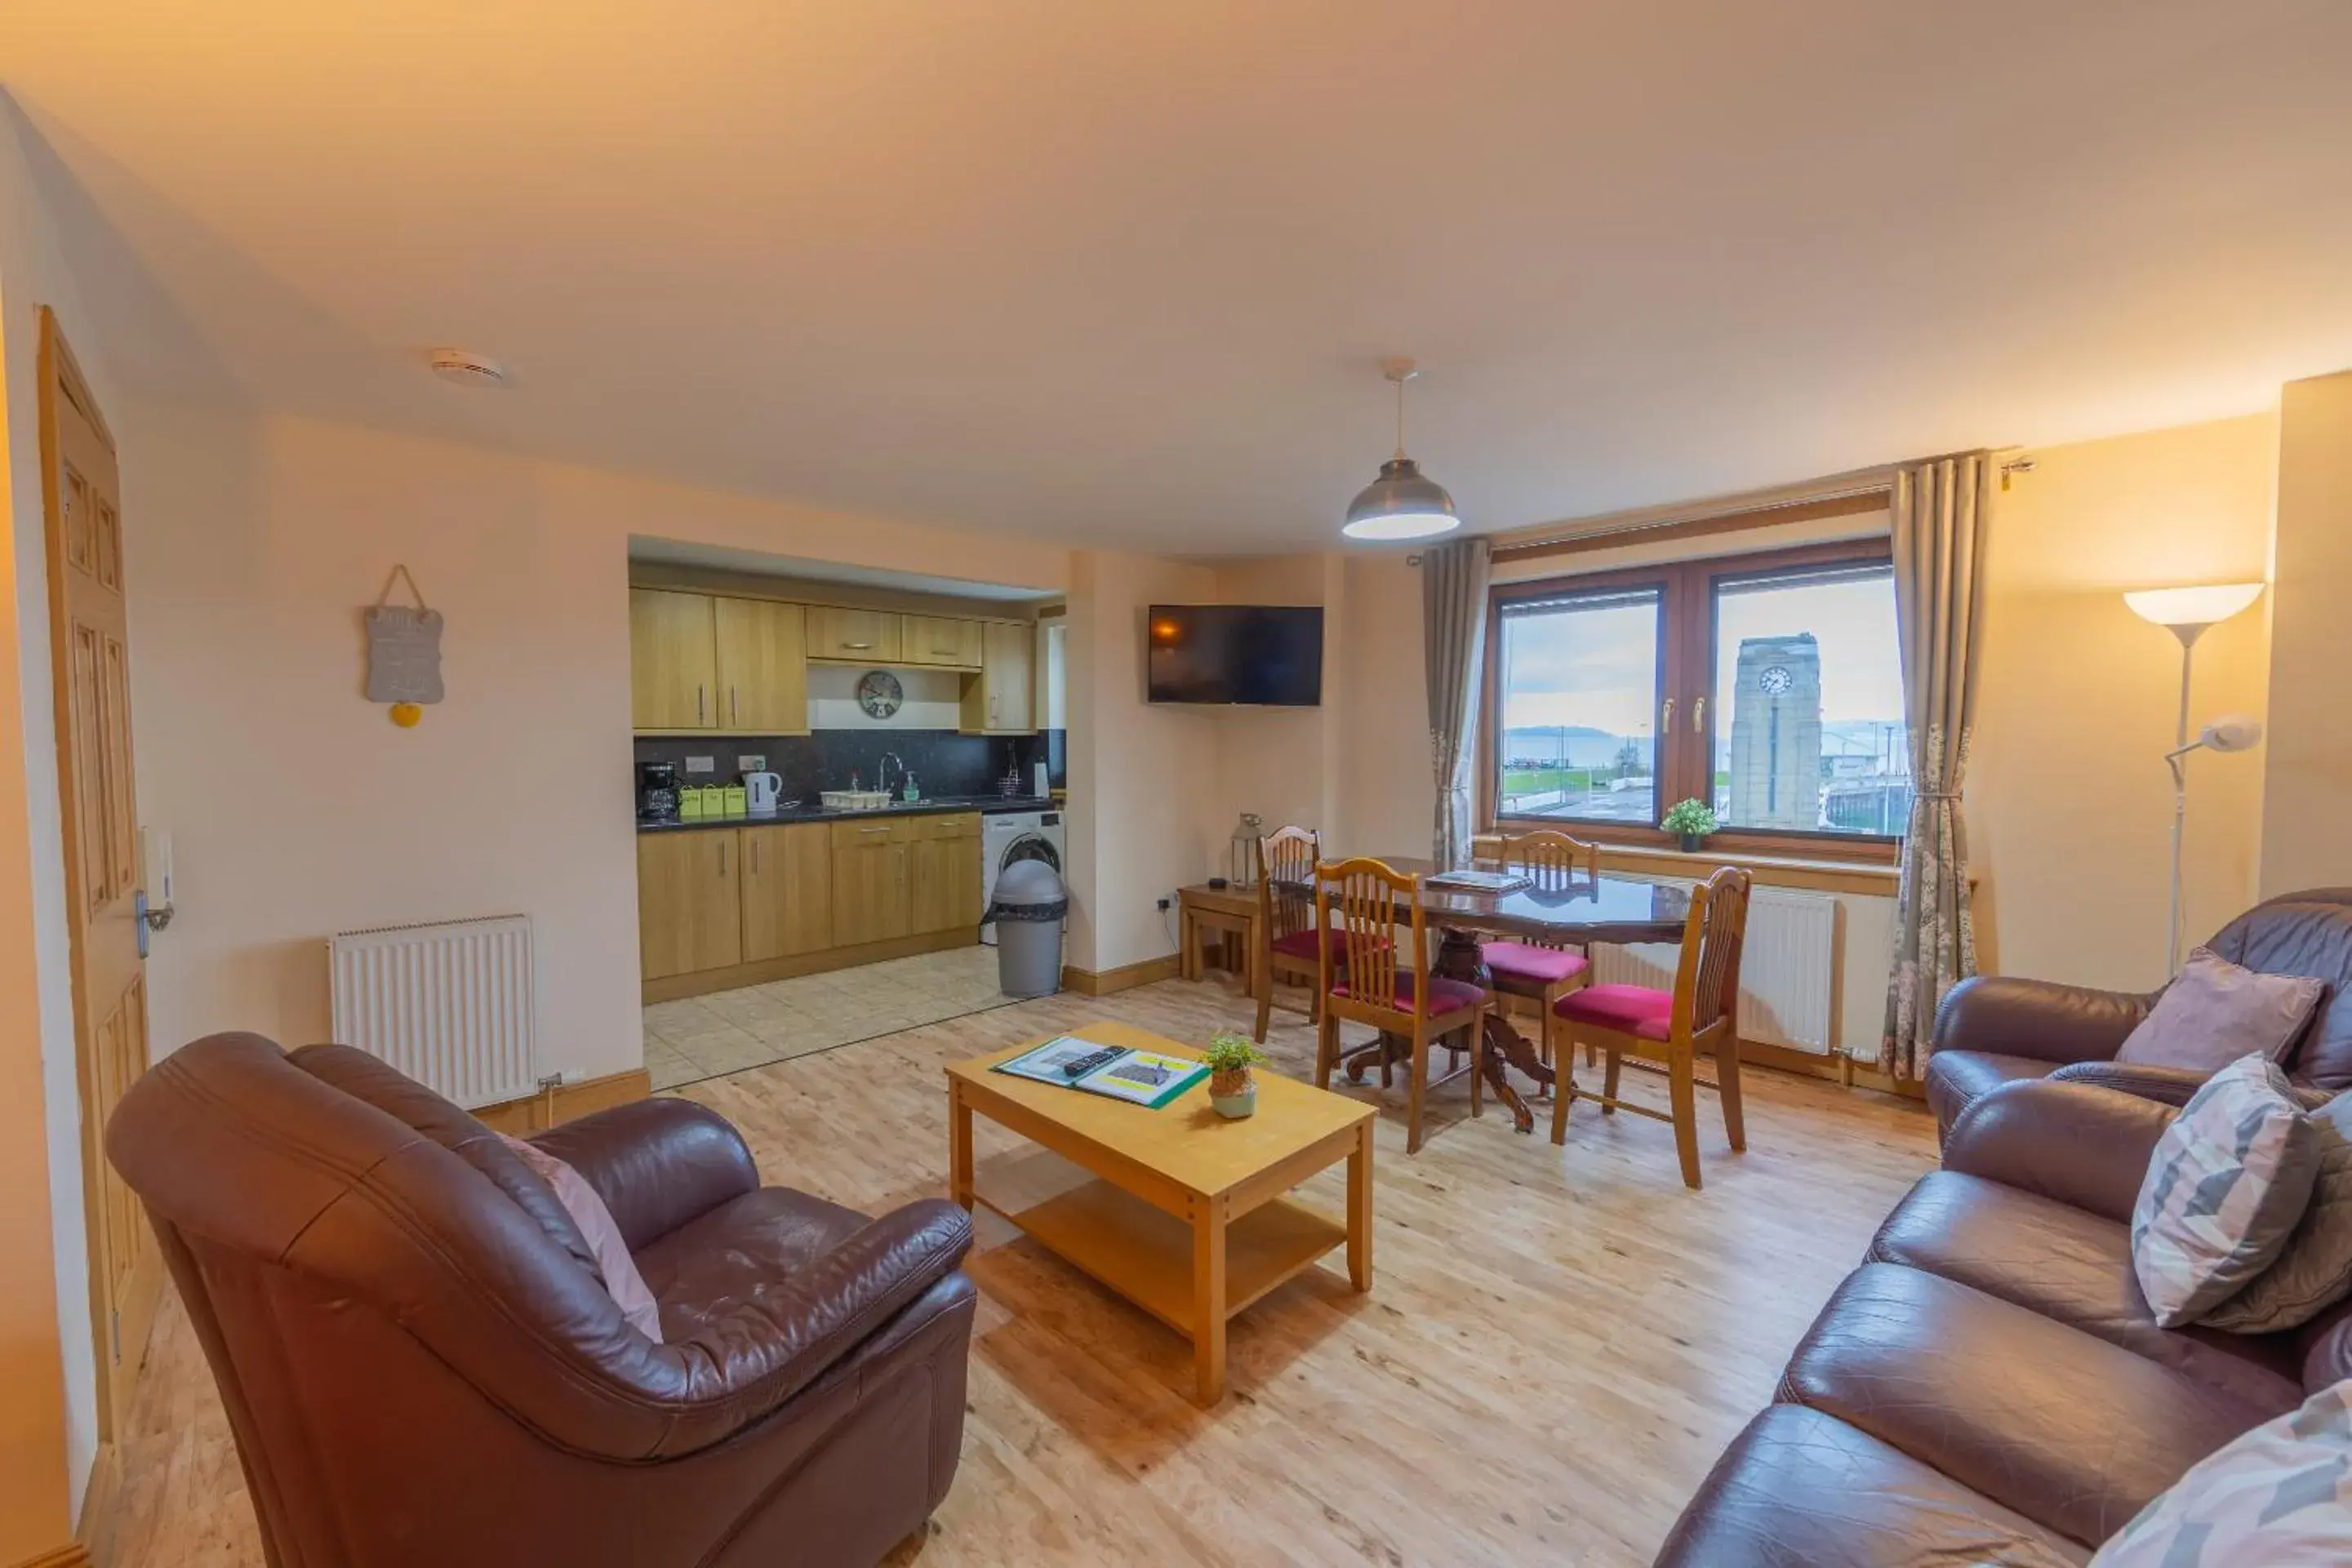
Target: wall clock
point(879, 694)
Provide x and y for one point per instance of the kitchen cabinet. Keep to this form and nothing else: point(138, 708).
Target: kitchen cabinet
point(763, 667)
point(787, 890)
point(864, 636)
point(999, 700)
point(673, 660)
point(943, 874)
point(689, 913)
point(945, 642)
point(869, 882)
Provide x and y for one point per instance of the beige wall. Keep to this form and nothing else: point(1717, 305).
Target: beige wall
point(2069, 803)
point(48, 1414)
point(297, 809)
point(2307, 798)
point(1142, 818)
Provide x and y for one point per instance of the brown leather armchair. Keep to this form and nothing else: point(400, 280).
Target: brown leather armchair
point(420, 1367)
point(1999, 1029)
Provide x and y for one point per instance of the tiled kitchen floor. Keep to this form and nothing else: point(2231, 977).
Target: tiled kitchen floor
point(727, 1032)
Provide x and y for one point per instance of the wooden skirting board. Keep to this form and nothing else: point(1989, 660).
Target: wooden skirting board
point(671, 987)
point(72, 1555)
point(1103, 982)
point(566, 1103)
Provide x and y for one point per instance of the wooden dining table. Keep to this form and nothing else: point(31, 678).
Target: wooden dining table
point(1576, 914)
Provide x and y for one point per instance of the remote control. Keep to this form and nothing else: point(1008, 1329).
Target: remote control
point(1086, 1064)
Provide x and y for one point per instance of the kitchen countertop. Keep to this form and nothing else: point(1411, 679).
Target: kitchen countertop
point(988, 805)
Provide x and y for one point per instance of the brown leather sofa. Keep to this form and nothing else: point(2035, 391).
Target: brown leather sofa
point(1998, 1028)
point(1990, 1386)
point(420, 1367)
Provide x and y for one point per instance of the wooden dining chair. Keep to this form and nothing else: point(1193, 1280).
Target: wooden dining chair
point(1700, 1017)
point(1289, 943)
point(1539, 973)
point(1369, 978)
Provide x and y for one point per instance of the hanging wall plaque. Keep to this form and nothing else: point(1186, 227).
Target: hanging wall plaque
point(404, 648)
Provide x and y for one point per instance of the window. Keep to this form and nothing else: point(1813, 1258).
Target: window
point(1767, 685)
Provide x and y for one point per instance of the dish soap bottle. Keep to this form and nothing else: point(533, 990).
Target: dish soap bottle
point(913, 794)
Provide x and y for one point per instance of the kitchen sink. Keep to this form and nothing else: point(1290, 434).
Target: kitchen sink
point(855, 799)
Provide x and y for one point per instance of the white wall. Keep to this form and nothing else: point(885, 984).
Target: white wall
point(48, 1420)
point(2306, 805)
point(297, 810)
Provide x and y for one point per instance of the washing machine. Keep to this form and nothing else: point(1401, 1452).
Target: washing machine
point(1008, 837)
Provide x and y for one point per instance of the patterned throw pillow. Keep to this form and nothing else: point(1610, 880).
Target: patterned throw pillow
point(2313, 1271)
point(2230, 1180)
point(2280, 1495)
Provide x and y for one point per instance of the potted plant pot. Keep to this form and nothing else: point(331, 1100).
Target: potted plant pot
point(1691, 842)
point(1234, 1095)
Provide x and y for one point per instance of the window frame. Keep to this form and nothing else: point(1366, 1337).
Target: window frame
point(1686, 667)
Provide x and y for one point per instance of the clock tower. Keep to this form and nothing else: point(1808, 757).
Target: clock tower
point(1776, 734)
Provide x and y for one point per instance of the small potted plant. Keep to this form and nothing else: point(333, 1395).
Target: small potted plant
point(1693, 819)
point(1232, 1087)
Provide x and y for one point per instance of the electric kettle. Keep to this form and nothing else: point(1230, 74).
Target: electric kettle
point(765, 791)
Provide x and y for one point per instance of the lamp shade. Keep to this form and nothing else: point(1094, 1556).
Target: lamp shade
point(1399, 505)
point(2193, 606)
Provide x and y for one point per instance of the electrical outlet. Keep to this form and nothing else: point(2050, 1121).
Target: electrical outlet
point(752, 762)
point(1162, 906)
point(701, 765)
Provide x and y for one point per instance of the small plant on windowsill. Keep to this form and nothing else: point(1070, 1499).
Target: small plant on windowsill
point(1232, 1087)
point(1692, 819)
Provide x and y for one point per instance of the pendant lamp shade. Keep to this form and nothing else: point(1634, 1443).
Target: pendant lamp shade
point(1403, 503)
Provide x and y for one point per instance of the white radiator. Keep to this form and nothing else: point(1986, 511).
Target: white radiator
point(454, 1004)
point(1787, 969)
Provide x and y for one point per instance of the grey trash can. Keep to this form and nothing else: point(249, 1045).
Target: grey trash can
point(1028, 909)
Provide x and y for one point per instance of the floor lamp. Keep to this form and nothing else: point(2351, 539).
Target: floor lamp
point(2187, 612)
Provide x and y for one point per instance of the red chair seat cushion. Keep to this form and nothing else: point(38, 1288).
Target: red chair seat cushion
point(1307, 945)
point(1629, 1009)
point(1517, 964)
point(1444, 996)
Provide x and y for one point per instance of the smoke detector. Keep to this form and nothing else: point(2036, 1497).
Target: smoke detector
point(467, 369)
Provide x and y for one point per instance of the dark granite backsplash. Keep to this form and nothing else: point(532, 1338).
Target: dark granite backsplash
point(943, 762)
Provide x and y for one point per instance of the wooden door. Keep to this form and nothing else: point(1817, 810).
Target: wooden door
point(869, 883)
point(868, 636)
point(673, 661)
point(1004, 692)
point(689, 913)
point(787, 890)
point(90, 651)
point(943, 876)
point(763, 682)
point(941, 640)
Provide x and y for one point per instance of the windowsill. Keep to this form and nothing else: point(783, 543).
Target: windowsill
point(1772, 870)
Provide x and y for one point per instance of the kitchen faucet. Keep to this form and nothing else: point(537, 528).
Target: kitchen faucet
point(882, 770)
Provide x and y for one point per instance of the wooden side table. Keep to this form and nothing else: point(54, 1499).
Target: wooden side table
point(1227, 912)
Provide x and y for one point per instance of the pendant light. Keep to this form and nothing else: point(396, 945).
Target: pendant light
point(1401, 504)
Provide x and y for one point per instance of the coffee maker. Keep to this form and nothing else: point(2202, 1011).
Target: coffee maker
point(656, 791)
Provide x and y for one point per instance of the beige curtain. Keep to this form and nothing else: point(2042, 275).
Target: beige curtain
point(1940, 512)
point(1452, 632)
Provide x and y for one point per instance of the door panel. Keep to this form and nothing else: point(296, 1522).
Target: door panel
point(689, 913)
point(947, 641)
point(763, 667)
point(90, 660)
point(872, 636)
point(870, 889)
point(943, 876)
point(787, 891)
point(672, 662)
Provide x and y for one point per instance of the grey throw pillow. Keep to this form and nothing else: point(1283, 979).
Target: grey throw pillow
point(2314, 1271)
point(2216, 1012)
point(2228, 1183)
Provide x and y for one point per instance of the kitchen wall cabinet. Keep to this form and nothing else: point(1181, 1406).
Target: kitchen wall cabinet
point(945, 642)
point(689, 913)
point(999, 700)
point(763, 667)
point(862, 636)
point(870, 896)
point(787, 890)
point(673, 661)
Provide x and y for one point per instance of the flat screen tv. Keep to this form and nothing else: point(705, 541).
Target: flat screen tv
point(1259, 655)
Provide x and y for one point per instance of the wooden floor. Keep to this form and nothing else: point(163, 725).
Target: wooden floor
point(1556, 1344)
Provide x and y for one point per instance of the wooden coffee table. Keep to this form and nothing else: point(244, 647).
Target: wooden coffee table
point(1186, 1216)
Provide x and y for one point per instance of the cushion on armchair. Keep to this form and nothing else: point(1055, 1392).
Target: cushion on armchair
point(2217, 1011)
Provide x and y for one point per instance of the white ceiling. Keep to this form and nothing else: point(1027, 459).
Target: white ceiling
point(1119, 274)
